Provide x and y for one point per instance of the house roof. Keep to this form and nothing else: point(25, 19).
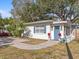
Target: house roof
point(39, 22)
point(45, 22)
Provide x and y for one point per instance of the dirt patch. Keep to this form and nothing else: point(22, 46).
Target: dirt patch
point(34, 41)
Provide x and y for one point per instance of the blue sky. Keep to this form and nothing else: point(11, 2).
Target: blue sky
point(5, 8)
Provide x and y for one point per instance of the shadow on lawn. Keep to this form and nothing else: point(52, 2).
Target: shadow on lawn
point(69, 52)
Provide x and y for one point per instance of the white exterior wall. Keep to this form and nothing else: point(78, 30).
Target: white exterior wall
point(49, 29)
point(62, 31)
point(45, 35)
point(52, 33)
point(39, 35)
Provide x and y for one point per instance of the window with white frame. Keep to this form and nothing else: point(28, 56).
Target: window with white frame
point(40, 29)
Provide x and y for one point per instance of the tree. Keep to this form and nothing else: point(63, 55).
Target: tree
point(28, 12)
point(18, 6)
point(0, 16)
point(5, 21)
point(1, 22)
point(64, 9)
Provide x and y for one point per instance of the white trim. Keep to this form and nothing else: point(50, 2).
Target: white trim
point(56, 22)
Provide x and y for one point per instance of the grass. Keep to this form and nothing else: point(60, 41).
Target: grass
point(34, 41)
point(55, 52)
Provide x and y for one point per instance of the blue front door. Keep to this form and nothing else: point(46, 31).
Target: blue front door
point(56, 32)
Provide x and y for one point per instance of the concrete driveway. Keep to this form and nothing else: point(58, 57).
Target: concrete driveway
point(5, 41)
point(18, 43)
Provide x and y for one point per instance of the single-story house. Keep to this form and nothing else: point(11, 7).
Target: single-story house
point(49, 30)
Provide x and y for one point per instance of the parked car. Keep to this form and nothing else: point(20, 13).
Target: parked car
point(4, 33)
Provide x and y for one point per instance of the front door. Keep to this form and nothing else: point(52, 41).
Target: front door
point(56, 32)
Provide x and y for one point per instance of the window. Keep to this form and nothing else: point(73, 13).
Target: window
point(73, 27)
point(56, 27)
point(40, 29)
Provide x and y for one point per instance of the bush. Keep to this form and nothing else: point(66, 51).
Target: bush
point(18, 33)
point(15, 30)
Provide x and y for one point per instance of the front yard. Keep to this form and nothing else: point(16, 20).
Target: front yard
point(55, 52)
point(34, 41)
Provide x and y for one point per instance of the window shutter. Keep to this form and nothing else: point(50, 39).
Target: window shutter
point(34, 29)
point(45, 29)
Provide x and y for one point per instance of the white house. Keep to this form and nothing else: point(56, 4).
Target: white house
point(42, 30)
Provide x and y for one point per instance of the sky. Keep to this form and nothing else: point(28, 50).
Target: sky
point(5, 8)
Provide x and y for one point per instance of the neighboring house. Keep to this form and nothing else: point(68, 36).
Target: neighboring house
point(50, 30)
point(76, 30)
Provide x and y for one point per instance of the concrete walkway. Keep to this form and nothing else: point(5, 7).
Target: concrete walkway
point(20, 45)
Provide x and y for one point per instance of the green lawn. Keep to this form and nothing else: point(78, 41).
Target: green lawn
point(55, 52)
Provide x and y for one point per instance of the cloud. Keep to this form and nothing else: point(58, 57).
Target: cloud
point(5, 13)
